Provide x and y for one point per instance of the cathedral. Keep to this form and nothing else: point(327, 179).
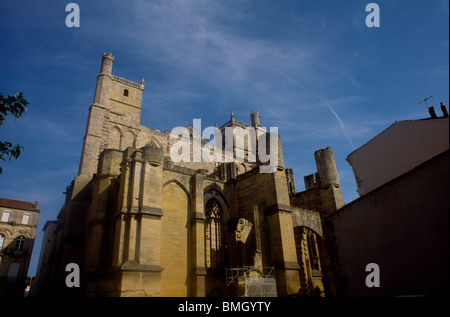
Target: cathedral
point(138, 222)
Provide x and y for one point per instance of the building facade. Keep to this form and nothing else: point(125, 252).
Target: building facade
point(402, 227)
point(18, 224)
point(166, 213)
point(400, 222)
point(398, 149)
point(139, 222)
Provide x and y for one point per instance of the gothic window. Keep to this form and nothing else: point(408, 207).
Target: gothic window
point(125, 92)
point(312, 250)
point(214, 234)
point(20, 242)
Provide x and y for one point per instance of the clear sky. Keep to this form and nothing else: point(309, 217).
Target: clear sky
point(312, 68)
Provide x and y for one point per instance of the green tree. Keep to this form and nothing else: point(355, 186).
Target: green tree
point(16, 106)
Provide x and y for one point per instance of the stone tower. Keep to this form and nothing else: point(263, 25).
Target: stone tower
point(328, 179)
point(113, 121)
point(321, 197)
point(254, 116)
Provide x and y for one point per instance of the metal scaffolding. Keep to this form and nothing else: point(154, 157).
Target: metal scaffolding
point(249, 281)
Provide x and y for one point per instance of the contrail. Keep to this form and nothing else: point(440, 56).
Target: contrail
point(321, 99)
point(338, 119)
point(288, 77)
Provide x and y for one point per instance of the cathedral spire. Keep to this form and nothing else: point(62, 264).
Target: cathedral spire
point(232, 117)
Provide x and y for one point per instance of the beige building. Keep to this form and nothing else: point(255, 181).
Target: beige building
point(18, 224)
point(139, 222)
point(146, 217)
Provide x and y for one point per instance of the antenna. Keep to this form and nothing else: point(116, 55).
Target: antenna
point(425, 100)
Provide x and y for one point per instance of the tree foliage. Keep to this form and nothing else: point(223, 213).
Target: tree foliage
point(16, 106)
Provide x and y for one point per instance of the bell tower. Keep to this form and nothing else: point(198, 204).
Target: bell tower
point(113, 121)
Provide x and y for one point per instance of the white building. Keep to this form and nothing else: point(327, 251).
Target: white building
point(398, 149)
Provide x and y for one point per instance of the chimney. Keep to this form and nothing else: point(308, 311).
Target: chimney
point(444, 110)
point(432, 112)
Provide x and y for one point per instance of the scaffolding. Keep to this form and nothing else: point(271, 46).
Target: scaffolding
point(249, 281)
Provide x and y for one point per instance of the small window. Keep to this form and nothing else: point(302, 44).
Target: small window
point(5, 216)
point(125, 92)
point(25, 219)
point(20, 242)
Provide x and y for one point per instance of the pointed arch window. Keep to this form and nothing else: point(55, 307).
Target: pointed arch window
point(214, 234)
point(312, 250)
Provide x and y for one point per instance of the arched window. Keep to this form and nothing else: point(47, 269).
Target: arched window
point(20, 242)
point(312, 250)
point(2, 240)
point(214, 234)
point(125, 92)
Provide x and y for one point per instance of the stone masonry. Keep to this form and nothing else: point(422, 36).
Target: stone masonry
point(139, 224)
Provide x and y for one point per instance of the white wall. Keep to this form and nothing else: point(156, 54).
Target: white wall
point(396, 150)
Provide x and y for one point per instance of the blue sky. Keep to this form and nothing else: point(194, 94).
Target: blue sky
point(312, 68)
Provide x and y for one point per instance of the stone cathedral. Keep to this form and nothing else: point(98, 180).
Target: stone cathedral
point(139, 224)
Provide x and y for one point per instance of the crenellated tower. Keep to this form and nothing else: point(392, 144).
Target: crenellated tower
point(254, 116)
point(114, 119)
